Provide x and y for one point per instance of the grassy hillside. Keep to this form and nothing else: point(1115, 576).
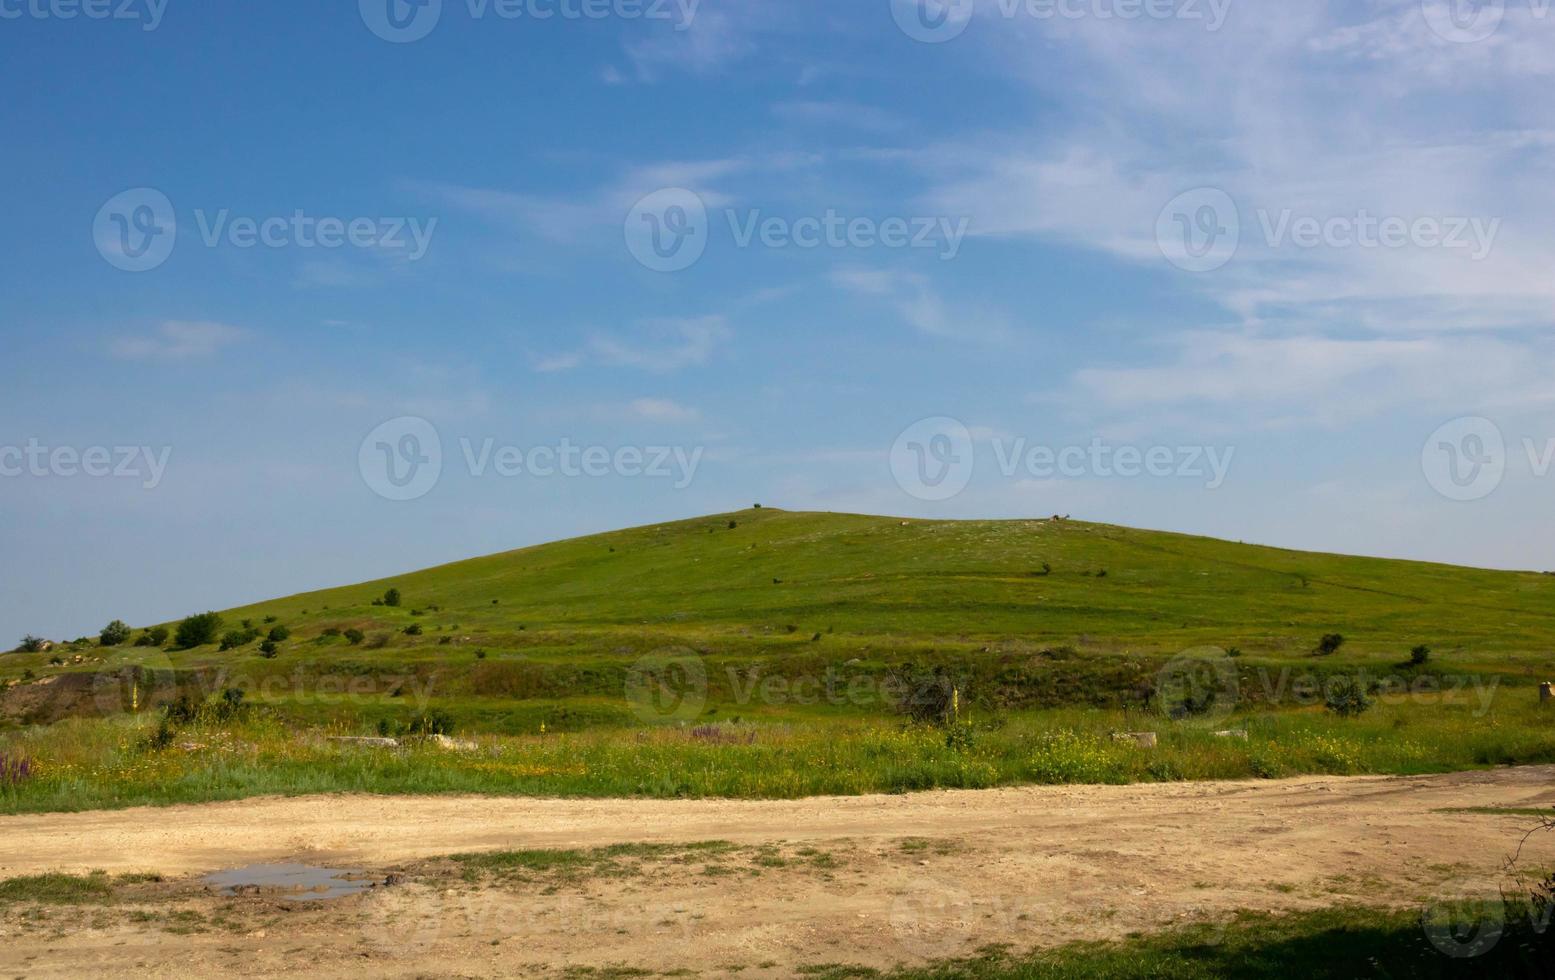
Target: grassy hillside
point(789, 630)
point(858, 577)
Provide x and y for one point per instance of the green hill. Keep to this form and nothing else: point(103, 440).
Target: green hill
point(750, 575)
point(766, 653)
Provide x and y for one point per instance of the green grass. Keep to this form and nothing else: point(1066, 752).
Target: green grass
point(613, 861)
point(1341, 943)
point(58, 889)
point(1051, 665)
point(90, 764)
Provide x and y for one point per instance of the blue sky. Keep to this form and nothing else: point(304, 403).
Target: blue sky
point(1369, 256)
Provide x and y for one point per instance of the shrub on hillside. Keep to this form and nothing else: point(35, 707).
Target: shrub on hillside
point(391, 597)
point(354, 636)
point(198, 630)
point(1329, 644)
point(31, 644)
point(268, 649)
point(114, 634)
point(414, 629)
point(1347, 698)
point(926, 696)
point(1419, 655)
point(279, 634)
point(153, 637)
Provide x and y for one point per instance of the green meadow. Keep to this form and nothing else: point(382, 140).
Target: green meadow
point(772, 654)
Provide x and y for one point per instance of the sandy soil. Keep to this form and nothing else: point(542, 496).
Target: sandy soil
point(875, 880)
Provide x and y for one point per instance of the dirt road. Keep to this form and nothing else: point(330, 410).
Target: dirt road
point(874, 880)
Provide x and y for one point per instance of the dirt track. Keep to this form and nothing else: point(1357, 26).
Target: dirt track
point(874, 880)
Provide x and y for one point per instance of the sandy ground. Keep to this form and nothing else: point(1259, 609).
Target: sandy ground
point(874, 880)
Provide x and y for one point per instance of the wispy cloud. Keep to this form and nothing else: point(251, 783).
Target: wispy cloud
point(177, 340)
point(660, 344)
point(921, 307)
point(661, 410)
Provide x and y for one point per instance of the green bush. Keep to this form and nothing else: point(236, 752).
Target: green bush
point(391, 597)
point(414, 629)
point(198, 630)
point(1329, 644)
point(268, 649)
point(153, 637)
point(1419, 655)
point(354, 636)
point(114, 634)
point(233, 639)
point(1347, 698)
point(31, 644)
point(279, 634)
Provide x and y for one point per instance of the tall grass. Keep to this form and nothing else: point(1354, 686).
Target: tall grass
point(84, 764)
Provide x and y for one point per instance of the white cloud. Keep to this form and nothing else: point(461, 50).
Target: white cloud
point(662, 344)
point(1239, 381)
point(921, 306)
point(176, 340)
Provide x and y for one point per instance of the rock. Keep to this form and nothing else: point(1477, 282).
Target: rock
point(393, 879)
point(1240, 733)
point(1145, 740)
point(376, 743)
point(444, 742)
point(1546, 692)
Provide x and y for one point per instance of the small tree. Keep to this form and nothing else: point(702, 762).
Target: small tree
point(31, 644)
point(1329, 644)
point(354, 636)
point(198, 630)
point(114, 634)
point(279, 634)
point(1419, 655)
point(391, 597)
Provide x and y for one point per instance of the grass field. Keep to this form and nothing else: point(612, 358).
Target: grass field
point(761, 654)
